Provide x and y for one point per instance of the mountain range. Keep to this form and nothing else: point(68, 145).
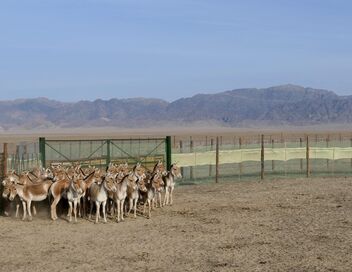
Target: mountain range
point(279, 105)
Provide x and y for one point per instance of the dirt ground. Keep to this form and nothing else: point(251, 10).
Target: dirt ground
point(279, 225)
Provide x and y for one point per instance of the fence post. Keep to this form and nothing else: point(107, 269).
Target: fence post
point(351, 146)
point(42, 151)
point(240, 147)
point(262, 159)
point(307, 157)
point(5, 155)
point(191, 150)
point(211, 149)
point(108, 154)
point(217, 161)
point(272, 162)
point(181, 151)
point(300, 145)
point(168, 152)
point(327, 145)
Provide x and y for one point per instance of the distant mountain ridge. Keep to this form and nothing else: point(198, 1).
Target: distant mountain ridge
point(279, 105)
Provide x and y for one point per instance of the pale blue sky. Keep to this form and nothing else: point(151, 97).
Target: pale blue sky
point(86, 49)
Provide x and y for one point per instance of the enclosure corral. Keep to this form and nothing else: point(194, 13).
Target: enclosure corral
point(276, 225)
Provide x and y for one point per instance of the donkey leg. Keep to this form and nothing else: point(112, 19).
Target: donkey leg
point(130, 205)
point(34, 210)
point(29, 210)
point(17, 210)
point(171, 191)
point(53, 208)
point(104, 212)
point(122, 205)
point(160, 201)
point(69, 214)
point(24, 210)
point(75, 209)
point(149, 207)
point(97, 214)
point(135, 208)
point(118, 210)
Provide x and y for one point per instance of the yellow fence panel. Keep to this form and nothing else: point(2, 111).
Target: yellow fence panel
point(343, 153)
point(321, 153)
point(244, 155)
point(296, 153)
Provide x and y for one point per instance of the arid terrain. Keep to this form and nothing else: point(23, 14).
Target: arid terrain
point(278, 225)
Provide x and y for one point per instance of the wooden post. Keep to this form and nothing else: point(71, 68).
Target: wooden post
point(351, 146)
point(307, 157)
point(327, 145)
point(240, 147)
point(217, 161)
point(301, 160)
point(5, 153)
point(181, 151)
point(211, 149)
point(191, 150)
point(262, 159)
point(272, 162)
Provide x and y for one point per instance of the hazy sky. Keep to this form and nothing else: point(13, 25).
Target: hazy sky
point(87, 49)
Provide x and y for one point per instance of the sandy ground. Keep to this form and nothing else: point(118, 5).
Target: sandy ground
point(279, 225)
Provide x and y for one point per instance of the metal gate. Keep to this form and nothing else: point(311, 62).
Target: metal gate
point(100, 153)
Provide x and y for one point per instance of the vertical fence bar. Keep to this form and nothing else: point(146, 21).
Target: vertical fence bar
point(307, 157)
point(240, 147)
point(301, 160)
point(351, 146)
point(181, 151)
point(168, 151)
point(217, 161)
point(262, 158)
point(42, 151)
point(211, 149)
point(191, 150)
point(5, 155)
point(272, 162)
point(327, 145)
point(108, 152)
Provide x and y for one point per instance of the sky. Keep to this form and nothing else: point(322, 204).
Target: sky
point(72, 50)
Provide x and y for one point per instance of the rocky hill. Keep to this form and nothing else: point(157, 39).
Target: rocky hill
point(287, 104)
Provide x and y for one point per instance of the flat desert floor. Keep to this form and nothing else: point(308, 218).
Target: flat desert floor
point(278, 225)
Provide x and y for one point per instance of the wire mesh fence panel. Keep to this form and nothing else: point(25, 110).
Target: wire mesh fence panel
point(284, 156)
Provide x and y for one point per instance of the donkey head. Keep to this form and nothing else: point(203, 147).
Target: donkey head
point(175, 171)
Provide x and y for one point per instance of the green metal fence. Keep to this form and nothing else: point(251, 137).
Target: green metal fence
point(100, 153)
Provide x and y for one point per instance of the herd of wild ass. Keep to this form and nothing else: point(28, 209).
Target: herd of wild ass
point(116, 190)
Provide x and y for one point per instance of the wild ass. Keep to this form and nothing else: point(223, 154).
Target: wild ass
point(169, 181)
point(57, 190)
point(99, 195)
point(29, 193)
point(159, 167)
point(154, 183)
point(121, 193)
point(74, 194)
point(133, 193)
point(22, 179)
